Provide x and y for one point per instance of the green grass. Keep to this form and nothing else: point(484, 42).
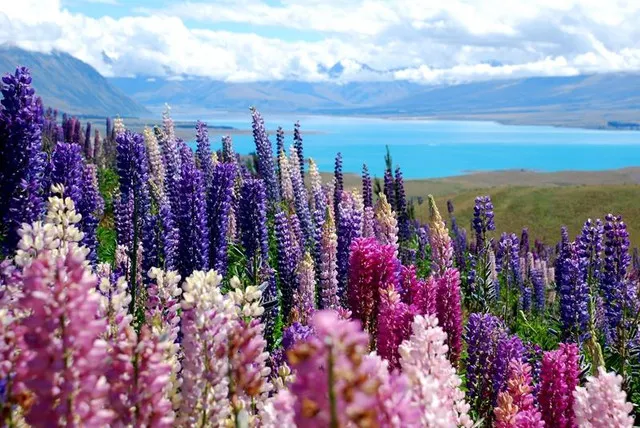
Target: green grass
point(545, 209)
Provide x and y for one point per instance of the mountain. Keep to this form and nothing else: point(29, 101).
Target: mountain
point(70, 85)
point(598, 100)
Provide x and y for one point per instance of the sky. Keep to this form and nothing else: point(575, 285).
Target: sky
point(425, 41)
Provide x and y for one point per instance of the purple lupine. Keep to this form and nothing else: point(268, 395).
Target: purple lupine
point(22, 161)
point(616, 265)
point(203, 153)
point(539, 289)
point(348, 228)
point(562, 252)
point(228, 155)
point(77, 132)
point(590, 247)
point(574, 295)
point(508, 265)
point(169, 234)
point(67, 168)
point(88, 142)
point(389, 188)
point(279, 145)
point(90, 207)
point(524, 243)
point(297, 143)
point(482, 334)
point(367, 188)
point(509, 348)
point(404, 232)
point(449, 311)
point(191, 217)
point(301, 199)
point(219, 202)
point(252, 221)
point(266, 165)
point(483, 220)
point(459, 239)
point(338, 187)
point(171, 156)
point(287, 262)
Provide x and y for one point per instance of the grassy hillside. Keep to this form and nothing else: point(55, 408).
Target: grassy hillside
point(545, 209)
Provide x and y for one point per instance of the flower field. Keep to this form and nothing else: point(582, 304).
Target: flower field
point(144, 284)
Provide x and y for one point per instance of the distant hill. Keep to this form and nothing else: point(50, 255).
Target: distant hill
point(599, 100)
point(69, 84)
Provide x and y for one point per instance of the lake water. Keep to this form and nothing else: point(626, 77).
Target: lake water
point(426, 149)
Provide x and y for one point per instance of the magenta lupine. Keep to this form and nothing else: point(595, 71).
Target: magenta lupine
point(372, 267)
point(337, 384)
point(420, 294)
point(441, 248)
point(304, 298)
point(602, 403)
point(22, 161)
point(516, 406)
point(266, 165)
point(449, 311)
point(394, 325)
point(435, 386)
point(559, 378)
point(328, 283)
point(65, 357)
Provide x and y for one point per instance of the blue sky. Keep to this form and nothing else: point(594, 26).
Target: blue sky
point(426, 41)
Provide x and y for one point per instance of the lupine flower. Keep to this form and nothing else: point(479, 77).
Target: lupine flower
point(170, 235)
point(286, 186)
point(394, 325)
point(516, 407)
point(449, 311)
point(509, 348)
point(228, 155)
point(318, 198)
point(191, 217)
point(357, 389)
point(389, 187)
point(278, 411)
point(348, 229)
point(64, 361)
point(574, 295)
point(328, 283)
point(524, 243)
point(204, 159)
point(270, 302)
point(297, 143)
point(252, 211)
point(91, 208)
point(483, 221)
point(441, 249)
point(287, 262)
point(420, 294)
point(459, 238)
point(616, 264)
point(301, 199)
point(372, 268)
point(264, 150)
point(367, 188)
point(539, 289)
point(338, 186)
point(386, 223)
point(602, 403)
point(559, 378)
point(435, 384)
point(401, 207)
point(22, 162)
point(279, 147)
point(67, 167)
point(172, 161)
point(508, 264)
point(305, 296)
point(88, 142)
point(156, 165)
point(219, 202)
point(368, 222)
point(563, 253)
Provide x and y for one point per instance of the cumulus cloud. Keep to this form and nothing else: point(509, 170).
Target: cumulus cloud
point(418, 40)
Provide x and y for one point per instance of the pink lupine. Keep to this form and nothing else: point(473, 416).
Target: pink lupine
point(435, 386)
point(441, 246)
point(64, 355)
point(420, 294)
point(449, 311)
point(337, 384)
point(602, 403)
point(368, 222)
point(328, 282)
point(278, 411)
point(394, 325)
point(372, 266)
point(248, 360)
point(558, 380)
point(516, 407)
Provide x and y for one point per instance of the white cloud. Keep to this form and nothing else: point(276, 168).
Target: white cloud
point(419, 40)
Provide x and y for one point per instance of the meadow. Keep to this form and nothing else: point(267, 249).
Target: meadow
point(146, 284)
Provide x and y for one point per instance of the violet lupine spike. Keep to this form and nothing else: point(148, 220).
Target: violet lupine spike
point(203, 153)
point(67, 167)
point(590, 247)
point(91, 208)
point(562, 254)
point(348, 229)
point(171, 156)
point(338, 187)
point(389, 188)
point(88, 142)
point(574, 296)
point(367, 187)
point(301, 199)
point(508, 265)
point(404, 232)
point(539, 290)
point(559, 377)
point(66, 359)
point(252, 220)
point(524, 243)
point(219, 203)
point(266, 165)
point(297, 143)
point(22, 161)
point(483, 220)
point(279, 146)
point(616, 265)
point(228, 154)
point(170, 235)
point(270, 302)
point(509, 348)
point(191, 217)
point(459, 239)
point(328, 282)
point(287, 261)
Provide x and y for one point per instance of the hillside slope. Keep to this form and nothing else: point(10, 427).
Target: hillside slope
point(70, 85)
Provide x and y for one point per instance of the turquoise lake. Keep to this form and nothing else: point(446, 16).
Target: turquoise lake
point(427, 149)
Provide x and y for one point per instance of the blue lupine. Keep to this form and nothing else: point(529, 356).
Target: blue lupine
point(508, 348)
point(22, 161)
point(389, 188)
point(90, 207)
point(171, 157)
point(287, 262)
point(338, 186)
point(404, 232)
point(483, 220)
point(508, 264)
point(301, 200)
point(367, 188)
point(574, 295)
point(203, 153)
point(219, 203)
point(192, 217)
point(297, 143)
point(169, 235)
point(348, 228)
point(539, 291)
point(252, 221)
point(562, 252)
point(266, 164)
point(67, 168)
